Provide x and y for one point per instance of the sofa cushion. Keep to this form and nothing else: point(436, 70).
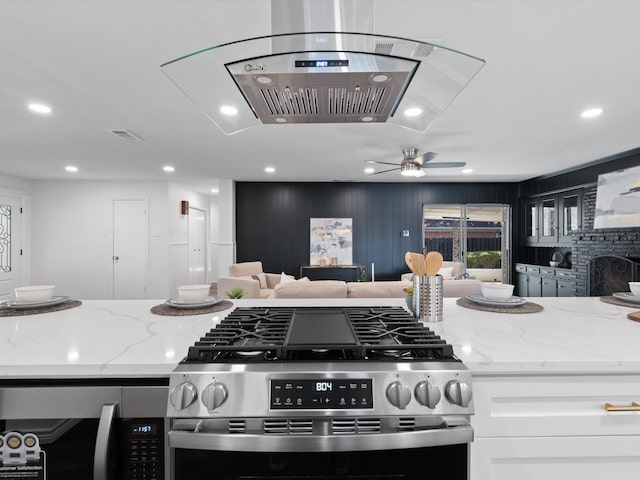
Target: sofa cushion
point(262, 279)
point(284, 278)
point(245, 269)
point(315, 289)
point(446, 272)
point(392, 289)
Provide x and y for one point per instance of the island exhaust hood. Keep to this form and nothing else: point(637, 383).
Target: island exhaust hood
point(329, 75)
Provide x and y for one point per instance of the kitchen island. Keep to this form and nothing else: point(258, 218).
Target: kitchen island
point(540, 380)
point(122, 338)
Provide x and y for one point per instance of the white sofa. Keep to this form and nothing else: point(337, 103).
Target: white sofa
point(251, 278)
point(340, 289)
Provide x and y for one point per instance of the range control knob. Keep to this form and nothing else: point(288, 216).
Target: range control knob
point(399, 394)
point(183, 395)
point(458, 392)
point(214, 395)
point(427, 394)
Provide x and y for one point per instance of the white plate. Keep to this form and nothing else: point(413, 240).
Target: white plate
point(179, 303)
point(22, 305)
point(627, 297)
point(508, 303)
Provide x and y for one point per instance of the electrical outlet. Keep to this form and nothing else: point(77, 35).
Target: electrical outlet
point(405, 233)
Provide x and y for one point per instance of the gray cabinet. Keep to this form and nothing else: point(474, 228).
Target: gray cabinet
point(537, 281)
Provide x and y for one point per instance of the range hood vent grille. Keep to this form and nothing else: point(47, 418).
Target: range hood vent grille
point(339, 101)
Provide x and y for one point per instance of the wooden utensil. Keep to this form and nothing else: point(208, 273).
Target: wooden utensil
point(635, 316)
point(433, 261)
point(408, 259)
point(418, 263)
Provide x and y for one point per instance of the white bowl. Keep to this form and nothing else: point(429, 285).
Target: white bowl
point(554, 264)
point(634, 287)
point(193, 293)
point(496, 291)
point(34, 293)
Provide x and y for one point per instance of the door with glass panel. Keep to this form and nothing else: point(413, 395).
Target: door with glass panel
point(10, 245)
point(477, 235)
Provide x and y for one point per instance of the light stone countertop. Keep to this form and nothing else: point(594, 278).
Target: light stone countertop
point(122, 338)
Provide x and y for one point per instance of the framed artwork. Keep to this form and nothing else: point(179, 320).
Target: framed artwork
point(618, 199)
point(331, 239)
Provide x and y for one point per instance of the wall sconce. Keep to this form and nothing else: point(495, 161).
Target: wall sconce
point(184, 207)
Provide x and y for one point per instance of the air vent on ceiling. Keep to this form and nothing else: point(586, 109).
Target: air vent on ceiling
point(126, 135)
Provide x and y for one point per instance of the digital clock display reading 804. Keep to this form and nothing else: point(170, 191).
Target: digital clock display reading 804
point(324, 386)
point(322, 394)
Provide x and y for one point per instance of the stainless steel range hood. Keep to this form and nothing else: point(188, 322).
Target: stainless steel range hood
point(322, 76)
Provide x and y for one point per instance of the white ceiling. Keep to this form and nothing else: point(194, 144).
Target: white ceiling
point(97, 63)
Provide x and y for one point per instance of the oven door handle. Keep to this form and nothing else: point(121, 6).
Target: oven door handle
point(101, 453)
point(317, 443)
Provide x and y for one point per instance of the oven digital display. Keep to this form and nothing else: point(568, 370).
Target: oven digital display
point(321, 394)
point(143, 429)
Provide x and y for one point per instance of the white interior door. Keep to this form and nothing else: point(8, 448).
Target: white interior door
point(10, 245)
point(129, 249)
point(197, 246)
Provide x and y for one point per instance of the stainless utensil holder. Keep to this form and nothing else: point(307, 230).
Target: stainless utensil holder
point(427, 297)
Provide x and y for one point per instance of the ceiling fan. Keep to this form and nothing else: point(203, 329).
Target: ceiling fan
point(412, 164)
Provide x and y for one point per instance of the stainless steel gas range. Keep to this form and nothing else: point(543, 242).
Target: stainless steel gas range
point(320, 392)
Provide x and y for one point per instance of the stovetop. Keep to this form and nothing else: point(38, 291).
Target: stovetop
point(277, 334)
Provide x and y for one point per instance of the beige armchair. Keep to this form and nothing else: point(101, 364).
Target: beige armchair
point(251, 278)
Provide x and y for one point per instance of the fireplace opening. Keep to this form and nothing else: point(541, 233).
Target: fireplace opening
point(607, 274)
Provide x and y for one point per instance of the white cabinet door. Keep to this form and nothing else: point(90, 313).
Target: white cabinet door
point(563, 405)
point(556, 458)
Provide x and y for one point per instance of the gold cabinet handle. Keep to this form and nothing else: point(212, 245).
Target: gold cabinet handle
point(634, 407)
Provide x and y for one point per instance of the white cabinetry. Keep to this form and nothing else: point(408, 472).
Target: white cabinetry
point(555, 427)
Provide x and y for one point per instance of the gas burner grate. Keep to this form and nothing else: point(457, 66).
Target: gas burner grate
point(254, 334)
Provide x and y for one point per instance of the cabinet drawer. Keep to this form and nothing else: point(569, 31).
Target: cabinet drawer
point(548, 271)
point(521, 268)
point(533, 269)
point(559, 458)
point(563, 274)
point(555, 405)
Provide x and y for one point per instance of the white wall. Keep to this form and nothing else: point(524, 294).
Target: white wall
point(72, 235)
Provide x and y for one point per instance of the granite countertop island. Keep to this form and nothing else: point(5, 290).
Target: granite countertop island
point(122, 338)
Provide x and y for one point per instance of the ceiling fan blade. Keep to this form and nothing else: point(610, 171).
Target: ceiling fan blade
point(384, 171)
point(425, 157)
point(382, 163)
point(444, 165)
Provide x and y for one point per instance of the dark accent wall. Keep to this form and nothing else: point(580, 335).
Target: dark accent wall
point(272, 219)
point(589, 242)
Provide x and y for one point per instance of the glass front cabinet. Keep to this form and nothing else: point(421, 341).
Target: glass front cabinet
point(551, 219)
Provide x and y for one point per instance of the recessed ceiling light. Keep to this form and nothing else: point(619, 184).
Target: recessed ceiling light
point(71, 168)
point(412, 112)
point(281, 120)
point(39, 108)
point(591, 112)
point(269, 169)
point(228, 110)
point(367, 119)
point(467, 170)
point(369, 170)
point(168, 168)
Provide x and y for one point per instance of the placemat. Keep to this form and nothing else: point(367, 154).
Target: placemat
point(34, 311)
point(528, 307)
point(616, 301)
point(164, 309)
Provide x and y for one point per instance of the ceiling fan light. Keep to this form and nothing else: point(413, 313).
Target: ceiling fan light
point(409, 169)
